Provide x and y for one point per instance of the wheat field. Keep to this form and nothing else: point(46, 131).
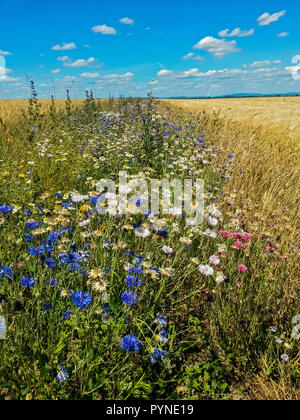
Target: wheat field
point(279, 113)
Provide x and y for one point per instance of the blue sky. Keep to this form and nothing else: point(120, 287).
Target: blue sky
point(170, 47)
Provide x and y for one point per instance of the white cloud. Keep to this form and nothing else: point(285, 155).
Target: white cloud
point(64, 47)
point(90, 75)
point(5, 53)
point(9, 79)
point(235, 32)
point(55, 71)
point(266, 18)
point(119, 76)
point(80, 62)
point(196, 73)
point(64, 58)
point(104, 30)
point(218, 47)
point(164, 73)
point(127, 21)
point(4, 70)
point(262, 63)
point(283, 34)
point(153, 82)
point(192, 56)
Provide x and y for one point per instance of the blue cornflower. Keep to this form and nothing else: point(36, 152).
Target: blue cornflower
point(231, 156)
point(136, 270)
point(5, 271)
point(62, 375)
point(33, 225)
point(161, 319)
point(52, 282)
point(27, 213)
point(67, 314)
point(163, 335)
point(51, 263)
point(34, 251)
point(130, 343)
point(129, 298)
point(47, 307)
point(163, 233)
point(133, 281)
point(28, 237)
point(81, 299)
point(4, 209)
point(27, 281)
point(158, 356)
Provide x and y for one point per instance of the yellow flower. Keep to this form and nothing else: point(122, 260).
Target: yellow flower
point(22, 176)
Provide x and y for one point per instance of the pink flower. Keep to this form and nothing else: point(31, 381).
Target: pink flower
point(225, 234)
point(245, 236)
point(242, 268)
point(239, 244)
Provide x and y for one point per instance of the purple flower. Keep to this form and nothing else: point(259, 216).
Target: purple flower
point(243, 326)
point(285, 357)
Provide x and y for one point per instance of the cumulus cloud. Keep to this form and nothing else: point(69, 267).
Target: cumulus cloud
point(127, 21)
point(267, 18)
point(153, 82)
point(90, 75)
point(4, 70)
point(237, 32)
point(5, 53)
point(164, 73)
point(64, 46)
point(218, 47)
point(104, 30)
point(192, 56)
point(55, 71)
point(80, 62)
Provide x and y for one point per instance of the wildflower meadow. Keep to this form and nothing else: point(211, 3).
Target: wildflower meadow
point(140, 305)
